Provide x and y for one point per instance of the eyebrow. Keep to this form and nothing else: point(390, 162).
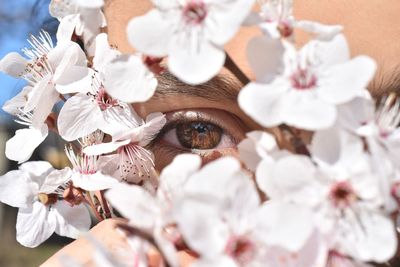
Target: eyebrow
point(385, 82)
point(220, 88)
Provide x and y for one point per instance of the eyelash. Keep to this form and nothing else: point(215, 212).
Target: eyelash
point(183, 119)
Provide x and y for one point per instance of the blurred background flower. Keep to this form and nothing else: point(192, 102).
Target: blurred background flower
point(19, 19)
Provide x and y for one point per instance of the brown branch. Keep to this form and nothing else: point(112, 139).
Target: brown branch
point(92, 206)
point(295, 140)
point(235, 70)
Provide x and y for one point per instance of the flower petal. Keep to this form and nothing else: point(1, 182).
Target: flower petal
point(142, 212)
point(13, 64)
point(66, 27)
point(37, 91)
point(177, 172)
point(35, 224)
point(224, 176)
point(263, 102)
point(371, 238)
point(21, 147)
point(77, 79)
point(225, 19)
point(151, 33)
point(335, 51)
point(265, 58)
point(255, 147)
point(71, 221)
point(38, 170)
point(346, 81)
point(104, 148)
point(47, 100)
point(71, 54)
point(13, 105)
point(104, 54)
point(16, 190)
point(79, 117)
point(276, 225)
point(220, 261)
point(323, 32)
point(90, 4)
point(355, 114)
point(93, 182)
point(200, 226)
point(54, 180)
point(135, 83)
point(291, 178)
point(304, 110)
point(194, 61)
point(60, 9)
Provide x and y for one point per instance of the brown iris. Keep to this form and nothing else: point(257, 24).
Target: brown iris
point(198, 135)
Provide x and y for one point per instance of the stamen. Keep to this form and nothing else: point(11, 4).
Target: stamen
point(303, 79)
point(136, 163)
point(24, 118)
point(39, 66)
point(94, 138)
point(41, 45)
point(82, 163)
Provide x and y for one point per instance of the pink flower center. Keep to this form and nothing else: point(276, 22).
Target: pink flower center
point(195, 12)
point(241, 249)
point(303, 79)
point(342, 194)
point(104, 100)
point(285, 29)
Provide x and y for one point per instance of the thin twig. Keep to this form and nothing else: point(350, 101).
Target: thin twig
point(63, 98)
point(235, 70)
point(296, 141)
point(92, 206)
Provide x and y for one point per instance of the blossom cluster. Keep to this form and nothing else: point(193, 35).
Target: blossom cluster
point(327, 200)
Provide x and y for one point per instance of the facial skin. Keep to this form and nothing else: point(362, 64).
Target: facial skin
point(371, 27)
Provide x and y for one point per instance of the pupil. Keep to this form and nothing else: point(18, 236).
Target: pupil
point(198, 135)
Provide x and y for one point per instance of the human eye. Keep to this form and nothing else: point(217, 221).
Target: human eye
point(202, 131)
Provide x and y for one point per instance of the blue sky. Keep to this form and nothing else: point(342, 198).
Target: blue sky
point(19, 19)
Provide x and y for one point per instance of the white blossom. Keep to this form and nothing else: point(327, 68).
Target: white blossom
point(276, 20)
point(87, 174)
point(84, 18)
point(135, 161)
point(35, 189)
point(312, 83)
point(343, 192)
point(191, 33)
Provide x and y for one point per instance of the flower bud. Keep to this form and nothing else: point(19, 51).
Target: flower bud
point(73, 196)
point(47, 199)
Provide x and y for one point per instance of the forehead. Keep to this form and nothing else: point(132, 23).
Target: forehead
point(372, 28)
